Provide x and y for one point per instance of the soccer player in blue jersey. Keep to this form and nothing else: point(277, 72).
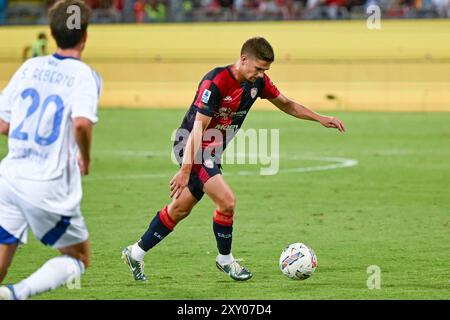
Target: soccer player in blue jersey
point(222, 101)
point(47, 111)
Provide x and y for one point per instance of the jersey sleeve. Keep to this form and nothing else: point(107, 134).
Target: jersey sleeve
point(207, 98)
point(269, 91)
point(7, 95)
point(86, 97)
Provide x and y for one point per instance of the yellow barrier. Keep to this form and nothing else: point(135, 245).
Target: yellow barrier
point(405, 66)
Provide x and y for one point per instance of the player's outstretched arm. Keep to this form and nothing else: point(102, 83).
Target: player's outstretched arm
point(83, 137)
point(299, 111)
point(193, 144)
point(4, 127)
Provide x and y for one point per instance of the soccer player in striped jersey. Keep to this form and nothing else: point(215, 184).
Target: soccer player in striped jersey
point(222, 101)
point(48, 110)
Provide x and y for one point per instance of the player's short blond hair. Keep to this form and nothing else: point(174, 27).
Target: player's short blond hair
point(68, 37)
point(259, 48)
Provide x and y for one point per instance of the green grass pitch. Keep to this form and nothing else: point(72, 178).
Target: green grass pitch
point(390, 210)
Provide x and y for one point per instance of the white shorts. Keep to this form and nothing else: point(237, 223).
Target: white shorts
point(16, 216)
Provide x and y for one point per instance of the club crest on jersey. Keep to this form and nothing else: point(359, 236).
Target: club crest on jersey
point(206, 95)
point(253, 92)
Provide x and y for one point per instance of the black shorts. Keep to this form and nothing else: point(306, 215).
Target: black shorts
point(201, 173)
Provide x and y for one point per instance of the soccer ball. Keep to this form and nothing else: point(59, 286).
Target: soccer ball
point(298, 261)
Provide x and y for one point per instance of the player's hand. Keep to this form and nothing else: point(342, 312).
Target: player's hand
point(84, 166)
point(178, 183)
point(332, 122)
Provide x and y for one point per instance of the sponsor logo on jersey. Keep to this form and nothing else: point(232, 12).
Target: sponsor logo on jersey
point(253, 92)
point(223, 113)
point(206, 95)
point(239, 113)
point(227, 127)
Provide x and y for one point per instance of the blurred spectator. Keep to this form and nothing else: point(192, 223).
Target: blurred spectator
point(188, 7)
point(37, 48)
point(314, 10)
point(351, 4)
point(442, 8)
point(239, 7)
point(211, 8)
point(219, 10)
point(127, 11)
point(106, 4)
point(139, 11)
point(227, 8)
point(291, 10)
point(426, 9)
point(268, 10)
point(3, 8)
point(336, 9)
point(246, 9)
point(397, 9)
point(155, 10)
point(106, 11)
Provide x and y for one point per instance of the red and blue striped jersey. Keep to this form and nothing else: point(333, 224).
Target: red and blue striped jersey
point(227, 101)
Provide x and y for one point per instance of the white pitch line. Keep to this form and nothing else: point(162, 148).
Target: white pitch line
point(340, 163)
point(337, 164)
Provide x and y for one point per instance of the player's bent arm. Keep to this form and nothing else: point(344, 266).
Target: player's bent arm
point(83, 137)
point(4, 127)
point(194, 141)
point(193, 144)
point(300, 111)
